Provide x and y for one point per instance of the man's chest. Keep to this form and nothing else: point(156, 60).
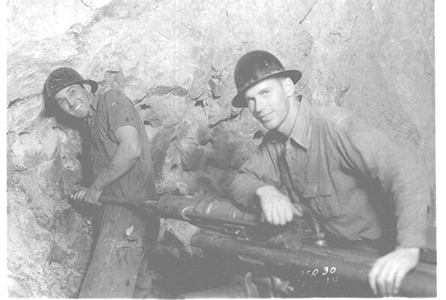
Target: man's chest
point(314, 165)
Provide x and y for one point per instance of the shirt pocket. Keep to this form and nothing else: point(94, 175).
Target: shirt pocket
point(322, 199)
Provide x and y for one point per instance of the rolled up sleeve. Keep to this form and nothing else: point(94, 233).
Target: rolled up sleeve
point(121, 111)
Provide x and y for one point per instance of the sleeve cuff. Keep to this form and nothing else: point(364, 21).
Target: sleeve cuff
point(244, 193)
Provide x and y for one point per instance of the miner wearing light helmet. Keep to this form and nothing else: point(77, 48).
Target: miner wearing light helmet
point(345, 171)
point(122, 169)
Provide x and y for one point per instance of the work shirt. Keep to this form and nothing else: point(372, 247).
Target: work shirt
point(111, 111)
point(108, 274)
point(344, 170)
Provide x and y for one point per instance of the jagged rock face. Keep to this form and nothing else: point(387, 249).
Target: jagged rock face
point(175, 60)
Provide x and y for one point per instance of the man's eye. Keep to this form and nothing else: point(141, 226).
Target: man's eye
point(265, 92)
point(72, 92)
point(61, 101)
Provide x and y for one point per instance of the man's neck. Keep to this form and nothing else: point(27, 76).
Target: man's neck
point(288, 124)
point(92, 98)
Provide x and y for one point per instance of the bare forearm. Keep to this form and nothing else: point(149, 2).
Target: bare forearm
point(123, 160)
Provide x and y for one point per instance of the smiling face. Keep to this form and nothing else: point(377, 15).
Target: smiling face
point(75, 100)
point(269, 101)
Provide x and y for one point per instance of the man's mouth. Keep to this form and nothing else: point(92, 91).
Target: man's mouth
point(265, 117)
point(77, 107)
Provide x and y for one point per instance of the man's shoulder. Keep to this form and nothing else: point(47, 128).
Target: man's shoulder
point(331, 114)
point(114, 94)
point(340, 119)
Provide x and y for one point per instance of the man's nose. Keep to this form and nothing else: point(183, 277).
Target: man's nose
point(260, 103)
point(71, 100)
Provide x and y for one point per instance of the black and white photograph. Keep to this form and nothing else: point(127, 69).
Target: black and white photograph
point(182, 149)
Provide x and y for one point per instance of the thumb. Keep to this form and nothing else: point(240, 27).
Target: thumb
point(297, 210)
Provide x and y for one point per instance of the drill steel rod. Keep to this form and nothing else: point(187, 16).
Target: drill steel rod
point(421, 282)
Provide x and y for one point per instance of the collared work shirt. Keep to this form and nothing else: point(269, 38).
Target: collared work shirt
point(111, 111)
point(343, 169)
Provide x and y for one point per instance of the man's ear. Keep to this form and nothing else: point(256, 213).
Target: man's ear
point(87, 87)
point(288, 86)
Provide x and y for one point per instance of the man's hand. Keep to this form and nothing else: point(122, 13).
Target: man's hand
point(90, 195)
point(276, 207)
point(124, 158)
point(389, 271)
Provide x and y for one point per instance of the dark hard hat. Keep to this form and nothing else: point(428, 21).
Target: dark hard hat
point(63, 77)
point(254, 67)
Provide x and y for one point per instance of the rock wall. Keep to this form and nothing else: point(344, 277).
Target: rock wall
point(175, 60)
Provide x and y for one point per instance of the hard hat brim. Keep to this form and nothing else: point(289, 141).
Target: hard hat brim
point(93, 84)
point(239, 100)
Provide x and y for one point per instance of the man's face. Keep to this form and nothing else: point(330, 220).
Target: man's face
point(75, 100)
point(268, 102)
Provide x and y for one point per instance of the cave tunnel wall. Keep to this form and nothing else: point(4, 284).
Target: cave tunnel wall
point(175, 60)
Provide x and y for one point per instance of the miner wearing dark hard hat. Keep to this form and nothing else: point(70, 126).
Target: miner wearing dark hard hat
point(347, 172)
point(122, 169)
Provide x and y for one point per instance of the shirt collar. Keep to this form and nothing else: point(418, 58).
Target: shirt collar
point(300, 131)
point(94, 106)
point(94, 103)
